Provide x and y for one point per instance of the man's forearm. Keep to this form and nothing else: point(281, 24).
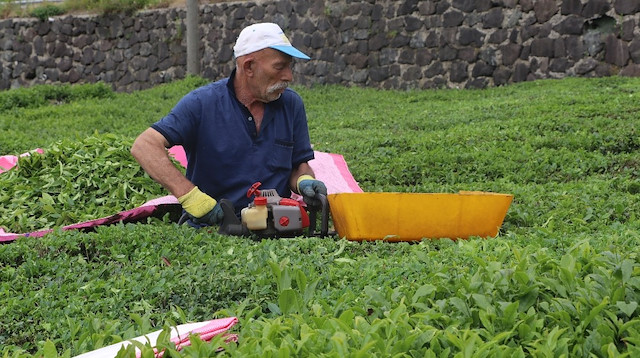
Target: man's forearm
point(149, 150)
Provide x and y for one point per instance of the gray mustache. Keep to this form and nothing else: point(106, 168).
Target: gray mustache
point(278, 86)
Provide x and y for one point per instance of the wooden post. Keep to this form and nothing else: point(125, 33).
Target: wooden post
point(193, 38)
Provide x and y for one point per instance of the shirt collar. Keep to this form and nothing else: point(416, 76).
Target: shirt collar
point(232, 77)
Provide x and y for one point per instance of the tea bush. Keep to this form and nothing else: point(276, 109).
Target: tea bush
point(74, 182)
point(41, 95)
point(562, 278)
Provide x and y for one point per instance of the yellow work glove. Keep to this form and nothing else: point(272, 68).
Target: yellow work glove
point(202, 208)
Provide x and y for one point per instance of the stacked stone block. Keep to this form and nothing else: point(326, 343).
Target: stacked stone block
point(384, 44)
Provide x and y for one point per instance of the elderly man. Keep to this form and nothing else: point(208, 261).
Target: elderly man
point(247, 128)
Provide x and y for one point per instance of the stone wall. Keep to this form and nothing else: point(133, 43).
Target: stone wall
point(386, 44)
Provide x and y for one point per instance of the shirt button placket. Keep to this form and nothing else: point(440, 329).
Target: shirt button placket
point(253, 130)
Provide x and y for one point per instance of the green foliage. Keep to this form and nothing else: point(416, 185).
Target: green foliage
point(106, 7)
point(310, 296)
point(34, 117)
point(561, 279)
point(567, 149)
point(45, 11)
point(42, 95)
point(9, 9)
point(120, 6)
point(73, 182)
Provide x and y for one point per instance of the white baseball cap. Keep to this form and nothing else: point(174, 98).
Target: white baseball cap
point(260, 36)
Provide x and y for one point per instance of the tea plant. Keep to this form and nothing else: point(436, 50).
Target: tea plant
point(561, 279)
point(42, 115)
point(73, 182)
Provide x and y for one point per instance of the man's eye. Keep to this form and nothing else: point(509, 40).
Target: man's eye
point(280, 67)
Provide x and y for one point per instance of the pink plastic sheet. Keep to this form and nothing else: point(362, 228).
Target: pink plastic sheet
point(9, 161)
point(206, 330)
point(331, 168)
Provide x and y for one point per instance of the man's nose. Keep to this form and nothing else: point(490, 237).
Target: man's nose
point(287, 74)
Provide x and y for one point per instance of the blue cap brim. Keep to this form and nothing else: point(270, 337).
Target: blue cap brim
point(292, 51)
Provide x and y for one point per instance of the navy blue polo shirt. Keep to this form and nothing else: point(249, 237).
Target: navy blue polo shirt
point(225, 153)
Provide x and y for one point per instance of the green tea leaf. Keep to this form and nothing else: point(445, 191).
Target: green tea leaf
point(627, 308)
point(49, 350)
point(289, 301)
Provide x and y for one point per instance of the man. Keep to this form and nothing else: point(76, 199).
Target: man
point(237, 131)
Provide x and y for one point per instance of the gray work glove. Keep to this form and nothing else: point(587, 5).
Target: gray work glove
point(309, 188)
point(213, 217)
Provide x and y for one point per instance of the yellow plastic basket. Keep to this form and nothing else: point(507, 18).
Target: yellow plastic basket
point(415, 216)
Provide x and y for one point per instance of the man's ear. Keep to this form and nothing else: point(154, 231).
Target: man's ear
point(247, 66)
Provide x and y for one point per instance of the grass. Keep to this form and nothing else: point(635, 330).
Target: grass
point(562, 277)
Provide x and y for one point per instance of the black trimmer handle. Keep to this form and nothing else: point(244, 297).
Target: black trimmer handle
point(231, 225)
point(183, 218)
point(324, 210)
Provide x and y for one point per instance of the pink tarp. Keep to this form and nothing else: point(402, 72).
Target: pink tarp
point(330, 168)
point(180, 336)
point(9, 161)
